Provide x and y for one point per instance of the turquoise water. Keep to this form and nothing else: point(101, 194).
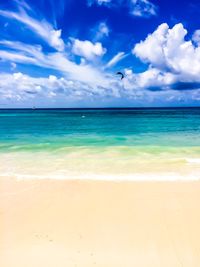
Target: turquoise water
point(93, 140)
point(43, 129)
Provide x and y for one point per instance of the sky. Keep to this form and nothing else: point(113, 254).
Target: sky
point(66, 53)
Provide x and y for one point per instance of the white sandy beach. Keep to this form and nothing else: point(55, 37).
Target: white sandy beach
point(89, 223)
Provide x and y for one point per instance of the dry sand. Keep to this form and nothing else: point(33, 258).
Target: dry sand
point(49, 223)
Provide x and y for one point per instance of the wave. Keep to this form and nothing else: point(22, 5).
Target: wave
point(167, 177)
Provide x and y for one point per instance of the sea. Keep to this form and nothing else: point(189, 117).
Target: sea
point(130, 144)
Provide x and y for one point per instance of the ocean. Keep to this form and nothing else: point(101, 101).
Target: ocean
point(104, 144)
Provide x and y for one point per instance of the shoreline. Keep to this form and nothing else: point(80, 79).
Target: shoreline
point(121, 178)
point(97, 223)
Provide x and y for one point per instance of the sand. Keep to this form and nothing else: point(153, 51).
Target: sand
point(55, 223)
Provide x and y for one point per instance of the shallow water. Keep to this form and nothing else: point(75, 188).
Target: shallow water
point(133, 144)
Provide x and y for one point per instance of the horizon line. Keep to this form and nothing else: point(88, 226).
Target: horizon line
point(99, 108)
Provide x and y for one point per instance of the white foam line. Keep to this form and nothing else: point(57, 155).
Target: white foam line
point(193, 161)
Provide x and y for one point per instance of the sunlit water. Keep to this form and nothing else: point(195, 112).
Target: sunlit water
point(120, 144)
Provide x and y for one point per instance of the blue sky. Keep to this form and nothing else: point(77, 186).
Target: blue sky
point(56, 53)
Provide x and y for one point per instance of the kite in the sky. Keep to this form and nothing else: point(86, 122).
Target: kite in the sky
point(120, 73)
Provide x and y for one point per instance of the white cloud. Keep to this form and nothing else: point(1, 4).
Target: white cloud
point(40, 28)
point(29, 91)
point(23, 4)
point(167, 50)
point(19, 52)
point(18, 86)
point(173, 64)
point(99, 2)
point(151, 50)
point(143, 8)
point(115, 59)
point(196, 37)
point(27, 54)
point(152, 79)
point(13, 66)
point(33, 50)
point(87, 49)
point(102, 31)
point(138, 8)
point(17, 57)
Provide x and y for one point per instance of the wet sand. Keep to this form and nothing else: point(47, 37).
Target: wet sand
point(88, 223)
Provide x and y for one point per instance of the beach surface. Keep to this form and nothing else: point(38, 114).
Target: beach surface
point(95, 223)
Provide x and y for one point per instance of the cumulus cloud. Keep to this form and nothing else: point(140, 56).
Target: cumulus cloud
point(167, 50)
point(152, 79)
point(174, 63)
point(18, 86)
point(143, 8)
point(196, 37)
point(87, 49)
point(21, 86)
